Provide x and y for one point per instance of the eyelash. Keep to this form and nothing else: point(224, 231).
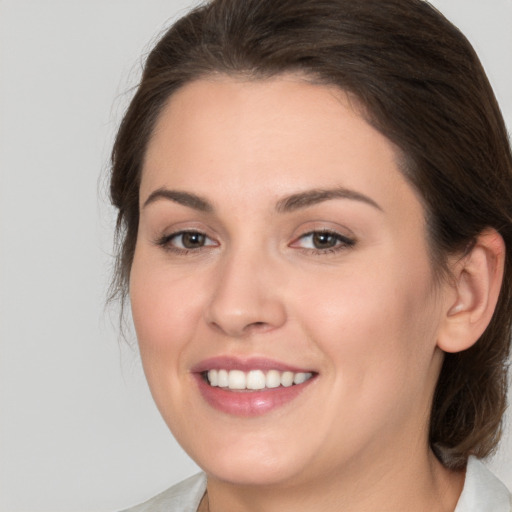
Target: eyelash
point(166, 242)
point(341, 242)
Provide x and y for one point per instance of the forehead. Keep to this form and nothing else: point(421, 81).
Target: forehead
point(229, 137)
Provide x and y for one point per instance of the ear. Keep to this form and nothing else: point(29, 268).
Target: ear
point(473, 294)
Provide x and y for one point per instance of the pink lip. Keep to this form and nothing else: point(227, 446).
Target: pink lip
point(246, 403)
point(253, 363)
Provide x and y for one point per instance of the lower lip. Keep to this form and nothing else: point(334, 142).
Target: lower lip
point(249, 403)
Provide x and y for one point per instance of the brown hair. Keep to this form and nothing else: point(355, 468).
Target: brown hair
point(421, 85)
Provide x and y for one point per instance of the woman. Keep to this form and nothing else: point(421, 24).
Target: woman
point(315, 207)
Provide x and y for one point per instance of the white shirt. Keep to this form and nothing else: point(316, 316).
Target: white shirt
point(482, 492)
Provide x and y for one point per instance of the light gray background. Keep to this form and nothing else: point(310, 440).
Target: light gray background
point(78, 429)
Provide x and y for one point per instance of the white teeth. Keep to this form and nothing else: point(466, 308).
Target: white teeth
point(255, 379)
point(273, 379)
point(237, 379)
point(301, 377)
point(213, 377)
point(287, 379)
point(223, 379)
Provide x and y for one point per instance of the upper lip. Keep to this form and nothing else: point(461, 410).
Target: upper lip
point(244, 364)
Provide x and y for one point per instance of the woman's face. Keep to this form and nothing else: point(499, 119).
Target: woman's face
point(279, 242)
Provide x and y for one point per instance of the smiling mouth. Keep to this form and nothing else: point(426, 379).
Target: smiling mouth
point(250, 387)
point(254, 380)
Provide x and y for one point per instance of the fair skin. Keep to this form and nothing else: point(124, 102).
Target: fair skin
point(232, 263)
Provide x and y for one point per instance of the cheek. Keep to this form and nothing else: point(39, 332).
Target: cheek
point(377, 321)
point(376, 331)
point(165, 312)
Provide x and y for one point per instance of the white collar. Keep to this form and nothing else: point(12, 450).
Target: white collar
point(482, 491)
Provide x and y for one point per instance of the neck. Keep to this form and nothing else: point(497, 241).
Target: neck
point(411, 483)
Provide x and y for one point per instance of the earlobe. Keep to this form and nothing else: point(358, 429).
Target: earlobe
point(477, 279)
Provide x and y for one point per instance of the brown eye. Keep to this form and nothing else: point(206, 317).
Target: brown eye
point(192, 240)
point(324, 240)
point(186, 241)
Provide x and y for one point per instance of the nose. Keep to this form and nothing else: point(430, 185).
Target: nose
point(245, 298)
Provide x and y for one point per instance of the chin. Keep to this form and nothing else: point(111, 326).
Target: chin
point(243, 472)
point(248, 459)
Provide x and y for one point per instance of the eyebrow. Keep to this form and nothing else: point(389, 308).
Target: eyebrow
point(315, 196)
point(288, 204)
point(184, 198)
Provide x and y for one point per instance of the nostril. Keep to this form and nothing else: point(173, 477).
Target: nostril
point(257, 326)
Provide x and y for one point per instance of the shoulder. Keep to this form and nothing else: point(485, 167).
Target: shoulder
point(483, 492)
point(182, 497)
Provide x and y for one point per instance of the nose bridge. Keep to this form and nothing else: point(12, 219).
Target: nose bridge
point(245, 297)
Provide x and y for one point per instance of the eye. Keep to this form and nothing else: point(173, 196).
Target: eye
point(186, 241)
point(323, 241)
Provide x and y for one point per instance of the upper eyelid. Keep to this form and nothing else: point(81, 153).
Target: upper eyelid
point(325, 231)
point(165, 237)
point(180, 232)
point(340, 236)
point(338, 230)
point(170, 231)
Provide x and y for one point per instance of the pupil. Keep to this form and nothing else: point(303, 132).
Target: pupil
point(323, 240)
point(193, 240)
